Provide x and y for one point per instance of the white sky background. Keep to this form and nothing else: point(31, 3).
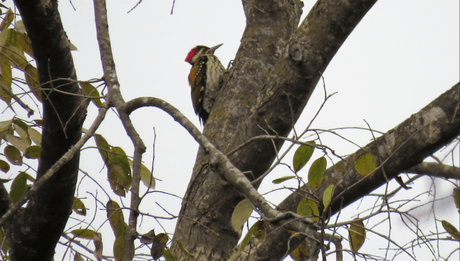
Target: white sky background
point(400, 57)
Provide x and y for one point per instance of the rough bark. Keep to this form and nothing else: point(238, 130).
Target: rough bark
point(436, 170)
point(398, 150)
point(34, 232)
point(5, 200)
point(275, 71)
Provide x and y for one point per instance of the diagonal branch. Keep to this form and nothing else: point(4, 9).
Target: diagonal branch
point(228, 171)
point(396, 151)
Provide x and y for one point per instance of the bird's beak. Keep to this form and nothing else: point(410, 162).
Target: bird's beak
point(214, 48)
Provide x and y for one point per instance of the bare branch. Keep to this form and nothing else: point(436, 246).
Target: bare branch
point(51, 171)
point(415, 142)
point(436, 170)
point(30, 112)
point(228, 171)
point(115, 98)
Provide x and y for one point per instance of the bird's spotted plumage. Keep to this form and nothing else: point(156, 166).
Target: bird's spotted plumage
point(204, 79)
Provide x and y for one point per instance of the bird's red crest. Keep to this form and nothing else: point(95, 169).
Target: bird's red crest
point(190, 55)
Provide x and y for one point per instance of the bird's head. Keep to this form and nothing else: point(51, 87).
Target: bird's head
point(199, 50)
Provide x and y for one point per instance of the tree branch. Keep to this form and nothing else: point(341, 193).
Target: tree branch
point(115, 98)
point(228, 171)
point(396, 151)
point(12, 211)
point(436, 170)
point(5, 201)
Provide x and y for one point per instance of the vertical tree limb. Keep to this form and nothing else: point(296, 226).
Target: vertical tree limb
point(33, 234)
point(115, 99)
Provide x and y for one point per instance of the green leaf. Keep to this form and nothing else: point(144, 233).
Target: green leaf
point(13, 38)
point(24, 43)
point(148, 237)
point(33, 152)
point(18, 187)
point(103, 147)
point(4, 166)
point(83, 233)
point(119, 248)
point(121, 229)
point(4, 241)
point(146, 175)
point(11, 48)
point(78, 257)
point(451, 229)
point(240, 215)
point(119, 180)
point(119, 171)
point(30, 178)
point(356, 235)
point(92, 92)
point(301, 156)
point(327, 196)
point(456, 196)
point(316, 172)
point(32, 80)
point(6, 78)
point(247, 237)
point(20, 124)
point(7, 19)
point(168, 255)
point(257, 230)
point(17, 142)
point(4, 181)
point(35, 136)
point(5, 125)
point(13, 155)
point(282, 179)
point(116, 219)
point(308, 208)
point(366, 164)
point(14, 53)
point(78, 206)
point(3, 40)
point(22, 133)
point(118, 156)
point(300, 253)
point(260, 231)
point(159, 245)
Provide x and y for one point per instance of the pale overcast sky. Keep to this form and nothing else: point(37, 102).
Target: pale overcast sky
point(400, 57)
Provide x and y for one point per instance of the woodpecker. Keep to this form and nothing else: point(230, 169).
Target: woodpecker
point(204, 79)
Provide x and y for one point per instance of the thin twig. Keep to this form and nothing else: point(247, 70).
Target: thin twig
point(30, 112)
point(51, 171)
point(229, 172)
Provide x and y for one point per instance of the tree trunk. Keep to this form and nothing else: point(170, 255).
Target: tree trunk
point(275, 71)
point(34, 232)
